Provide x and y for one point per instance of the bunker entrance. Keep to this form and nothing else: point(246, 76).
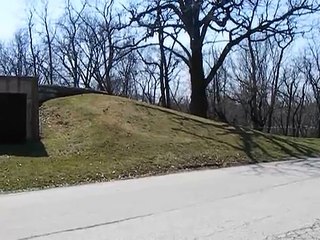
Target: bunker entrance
point(13, 117)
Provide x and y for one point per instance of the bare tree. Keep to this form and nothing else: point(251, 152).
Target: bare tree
point(311, 70)
point(277, 54)
point(14, 57)
point(48, 39)
point(217, 90)
point(67, 46)
point(31, 43)
point(104, 42)
point(257, 73)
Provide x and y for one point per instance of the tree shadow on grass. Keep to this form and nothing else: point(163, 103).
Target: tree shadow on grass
point(252, 142)
point(249, 144)
point(27, 149)
point(286, 146)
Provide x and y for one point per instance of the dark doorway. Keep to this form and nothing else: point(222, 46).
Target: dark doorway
point(13, 116)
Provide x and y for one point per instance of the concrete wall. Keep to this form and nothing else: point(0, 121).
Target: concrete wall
point(47, 92)
point(29, 86)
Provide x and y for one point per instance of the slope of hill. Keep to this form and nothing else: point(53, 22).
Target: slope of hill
point(94, 137)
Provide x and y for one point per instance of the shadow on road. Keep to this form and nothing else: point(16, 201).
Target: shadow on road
point(303, 167)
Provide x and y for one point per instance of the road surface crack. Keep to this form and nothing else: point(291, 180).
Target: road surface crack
point(86, 227)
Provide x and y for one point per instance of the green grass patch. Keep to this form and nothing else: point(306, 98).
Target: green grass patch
point(90, 138)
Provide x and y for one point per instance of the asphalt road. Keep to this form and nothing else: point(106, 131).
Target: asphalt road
point(268, 201)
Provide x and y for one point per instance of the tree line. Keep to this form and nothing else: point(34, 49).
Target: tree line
point(231, 60)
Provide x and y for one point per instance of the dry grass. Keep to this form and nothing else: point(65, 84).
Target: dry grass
point(92, 137)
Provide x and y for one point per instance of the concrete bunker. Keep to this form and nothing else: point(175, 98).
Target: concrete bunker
point(19, 110)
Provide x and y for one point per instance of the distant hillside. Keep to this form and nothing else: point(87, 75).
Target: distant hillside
point(94, 137)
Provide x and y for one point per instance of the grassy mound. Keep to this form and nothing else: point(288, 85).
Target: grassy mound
point(92, 137)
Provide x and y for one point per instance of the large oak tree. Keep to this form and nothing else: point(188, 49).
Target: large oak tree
point(211, 21)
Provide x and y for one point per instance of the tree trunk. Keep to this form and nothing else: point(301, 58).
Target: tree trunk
point(167, 87)
point(275, 87)
point(319, 124)
point(288, 119)
point(291, 96)
point(256, 115)
point(49, 43)
point(33, 55)
point(199, 102)
point(270, 121)
point(294, 130)
point(257, 125)
point(162, 66)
